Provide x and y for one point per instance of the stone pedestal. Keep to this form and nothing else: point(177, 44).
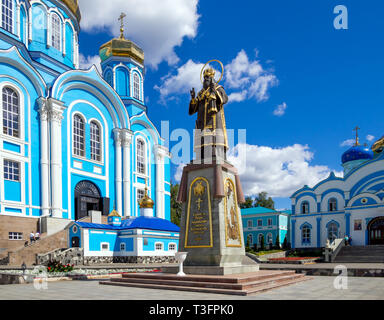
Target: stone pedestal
point(211, 229)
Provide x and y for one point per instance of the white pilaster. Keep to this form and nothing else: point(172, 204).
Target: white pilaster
point(55, 117)
point(44, 160)
point(126, 144)
point(118, 170)
point(160, 153)
point(18, 18)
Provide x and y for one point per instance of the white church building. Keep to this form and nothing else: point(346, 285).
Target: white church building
point(352, 205)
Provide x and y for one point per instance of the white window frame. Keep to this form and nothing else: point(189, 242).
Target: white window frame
point(74, 148)
point(15, 236)
point(172, 244)
point(306, 236)
point(97, 123)
point(332, 204)
point(136, 87)
point(304, 207)
point(11, 113)
point(144, 163)
point(161, 244)
point(250, 223)
point(54, 30)
point(101, 246)
point(250, 239)
point(10, 15)
point(10, 171)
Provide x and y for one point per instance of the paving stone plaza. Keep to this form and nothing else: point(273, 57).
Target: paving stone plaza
point(319, 288)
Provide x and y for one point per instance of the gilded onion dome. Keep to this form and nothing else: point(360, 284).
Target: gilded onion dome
point(146, 201)
point(114, 213)
point(121, 47)
point(73, 5)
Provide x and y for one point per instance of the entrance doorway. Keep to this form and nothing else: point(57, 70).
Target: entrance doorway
point(75, 242)
point(87, 198)
point(376, 231)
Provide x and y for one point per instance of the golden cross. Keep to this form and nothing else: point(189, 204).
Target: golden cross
point(121, 19)
point(199, 201)
point(357, 135)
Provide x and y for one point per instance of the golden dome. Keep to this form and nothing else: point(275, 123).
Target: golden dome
point(114, 213)
point(121, 47)
point(146, 201)
point(74, 7)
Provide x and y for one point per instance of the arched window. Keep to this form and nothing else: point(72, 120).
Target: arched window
point(11, 113)
point(78, 136)
point(332, 204)
point(250, 239)
point(261, 237)
point(7, 15)
point(306, 235)
point(136, 86)
point(56, 31)
point(305, 207)
point(140, 150)
point(333, 231)
point(108, 78)
point(269, 238)
point(95, 141)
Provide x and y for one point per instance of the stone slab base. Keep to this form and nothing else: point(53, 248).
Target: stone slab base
point(213, 270)
point(239, 284)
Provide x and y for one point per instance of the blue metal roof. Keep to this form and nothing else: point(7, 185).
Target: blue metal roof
point(151, 223)
point(261, 210)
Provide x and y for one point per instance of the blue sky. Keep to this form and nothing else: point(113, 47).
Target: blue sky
point(329, 80)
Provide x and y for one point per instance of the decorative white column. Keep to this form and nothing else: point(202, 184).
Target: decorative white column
point(30, 18)
point(56, 109)
point(118, 170)
point(126, 144)
point(44, 160)
point(18, 21)
point(160, 153)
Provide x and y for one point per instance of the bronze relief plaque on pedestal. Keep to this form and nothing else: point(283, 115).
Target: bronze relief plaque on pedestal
point(231, 213)
point(199, 215)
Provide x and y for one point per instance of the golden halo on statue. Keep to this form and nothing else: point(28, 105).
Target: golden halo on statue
point(222, 70)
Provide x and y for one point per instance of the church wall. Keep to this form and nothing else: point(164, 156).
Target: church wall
point(19, 196)
point(101, 173)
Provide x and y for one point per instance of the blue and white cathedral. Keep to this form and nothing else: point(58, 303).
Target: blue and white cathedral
point(72, 141)
point(352, 205)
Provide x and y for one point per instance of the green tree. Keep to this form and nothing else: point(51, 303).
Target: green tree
point(175, 206)
point(262, 200)
point(247, 204)
point(262, 243)
point(278, 241)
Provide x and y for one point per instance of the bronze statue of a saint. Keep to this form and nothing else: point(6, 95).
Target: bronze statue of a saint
point(211, 140)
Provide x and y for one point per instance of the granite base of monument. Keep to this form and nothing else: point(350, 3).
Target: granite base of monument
point(211, 229)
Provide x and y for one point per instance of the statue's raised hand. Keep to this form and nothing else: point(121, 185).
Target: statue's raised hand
point(193, 93)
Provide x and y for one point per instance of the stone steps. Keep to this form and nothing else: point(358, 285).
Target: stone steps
point(243, 284)
point(365, 254)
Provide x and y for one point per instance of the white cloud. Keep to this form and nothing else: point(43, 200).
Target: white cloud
point(370, 137)
point(280, 171)
point(88, 61)
point(244, 79)
point(280, 109)
point(156, 26)
point(186, 78)
point(250, 77)
point(348, 143)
